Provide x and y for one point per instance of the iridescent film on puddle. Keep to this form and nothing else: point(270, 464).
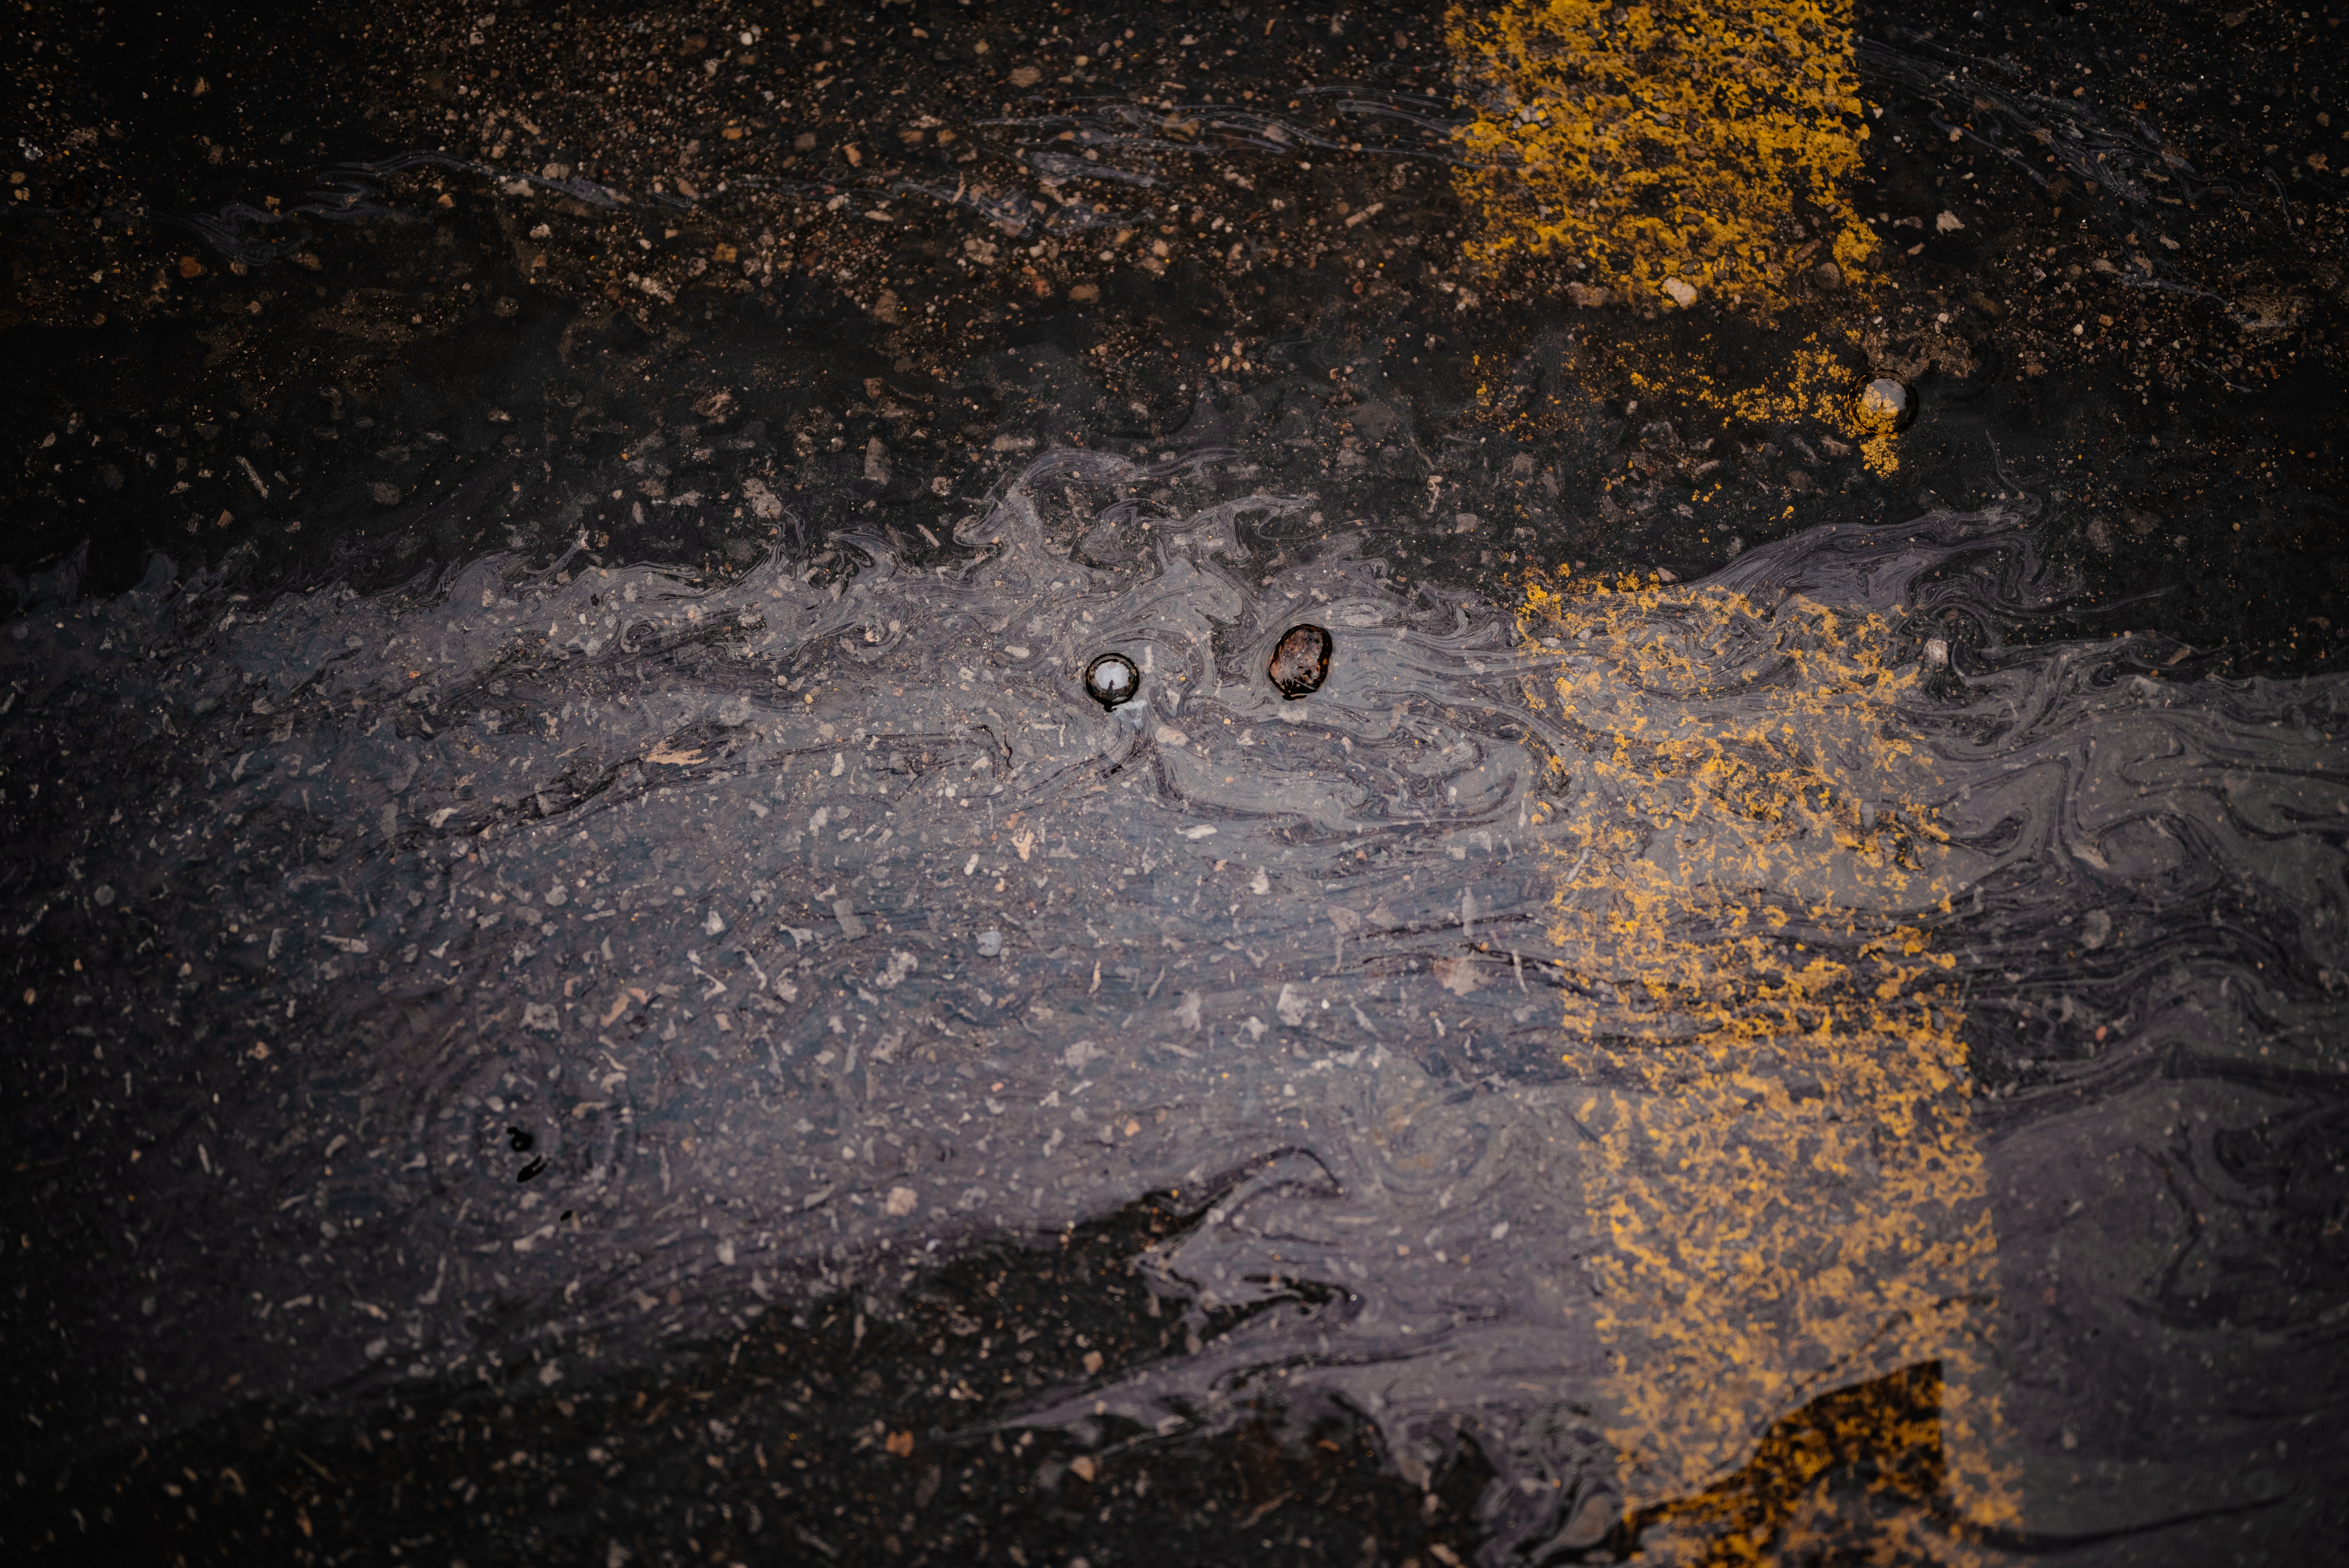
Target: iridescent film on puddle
point(1594, 1027)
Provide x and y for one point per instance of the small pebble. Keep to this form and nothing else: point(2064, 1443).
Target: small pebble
point(1301, 662)
point(1885, 403)
point(990, 944)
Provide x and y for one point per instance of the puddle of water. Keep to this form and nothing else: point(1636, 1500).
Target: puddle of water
point(1595, 1032)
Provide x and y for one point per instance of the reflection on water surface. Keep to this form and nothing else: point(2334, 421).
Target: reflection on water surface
point(1662, 1041)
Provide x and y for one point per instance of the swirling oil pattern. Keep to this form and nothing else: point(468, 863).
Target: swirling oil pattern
point(1594, 1029)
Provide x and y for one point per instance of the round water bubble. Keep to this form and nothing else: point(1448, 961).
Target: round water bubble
point(1111, 680)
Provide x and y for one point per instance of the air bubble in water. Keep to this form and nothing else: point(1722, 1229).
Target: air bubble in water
point(1111, 680)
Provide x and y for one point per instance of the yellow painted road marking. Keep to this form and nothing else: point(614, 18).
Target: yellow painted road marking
point(1671, 143)
point(1788, 1163)
point(1674, 153)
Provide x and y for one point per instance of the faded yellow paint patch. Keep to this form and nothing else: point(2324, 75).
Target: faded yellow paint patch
point(1817, 378)
point(1811, 382)
point(1786, 1162)
point(1669, 146)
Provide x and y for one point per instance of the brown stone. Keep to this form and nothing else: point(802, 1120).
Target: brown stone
point(1302, 663)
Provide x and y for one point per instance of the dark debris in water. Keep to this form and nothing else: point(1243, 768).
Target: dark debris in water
point(1300, 661)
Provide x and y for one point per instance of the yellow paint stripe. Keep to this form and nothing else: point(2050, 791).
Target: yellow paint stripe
point(1669, 146)
point(1788, 1163)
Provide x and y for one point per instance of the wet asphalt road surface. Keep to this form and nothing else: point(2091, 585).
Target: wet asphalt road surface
point(591, 979)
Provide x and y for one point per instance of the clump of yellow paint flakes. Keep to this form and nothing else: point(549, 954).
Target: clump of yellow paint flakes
point(1876, 423)
point(1785, 1160)
point(1671, 147)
